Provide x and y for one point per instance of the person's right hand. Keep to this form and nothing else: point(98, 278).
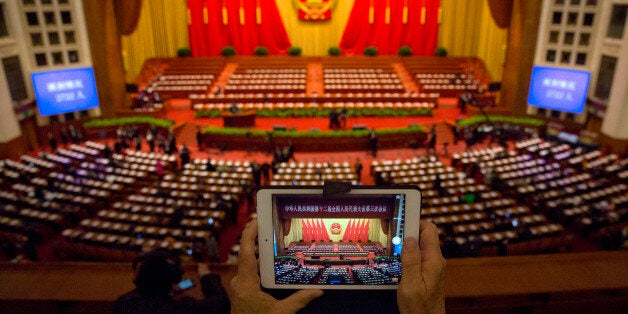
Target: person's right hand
point(247, 297)
point(422, 286)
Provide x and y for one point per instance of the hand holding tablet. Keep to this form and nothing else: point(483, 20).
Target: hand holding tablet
point(247, 296)
point(420, 291)
point(348, 241)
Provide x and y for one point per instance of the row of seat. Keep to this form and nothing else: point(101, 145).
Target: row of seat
point(578, 159)
point(349, 88)
point(261, 70)
point(40, 163)
point(105, 168)
point(374, 82)
point(364, 70)
point(289, 96)
point(281, 106)
point(456, 81)
point(136, 244)
point(56, 158)
point(448, 76)
point(266, 79)
point(312, 173)
point(537, 232)
point(177, 77)
point(184, 90)
point(297, 181)
point(182, 82)
point(254, 76)
point(508, 206)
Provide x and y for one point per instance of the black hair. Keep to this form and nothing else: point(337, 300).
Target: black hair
point(157, 272)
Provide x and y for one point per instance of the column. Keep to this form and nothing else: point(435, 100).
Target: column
point(524, 26)
point(11, 142)
point(105, 47)
point(615, 121)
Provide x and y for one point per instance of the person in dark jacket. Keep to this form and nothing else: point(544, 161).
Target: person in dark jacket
point(53, 142)
point(373, 142)
point(184, 154)
point(157, 274)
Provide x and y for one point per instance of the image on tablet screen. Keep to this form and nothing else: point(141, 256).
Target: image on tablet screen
point(338, 240)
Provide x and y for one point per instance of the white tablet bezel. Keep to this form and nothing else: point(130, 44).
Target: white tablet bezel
point(265, 233)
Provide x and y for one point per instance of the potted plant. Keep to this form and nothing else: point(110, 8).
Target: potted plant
point(228, 51)
point(295, 51)
point(333, 51)
point(184, 52)
point(404, 51)
point(441, 52)
point(370, 51)
point(260, 51)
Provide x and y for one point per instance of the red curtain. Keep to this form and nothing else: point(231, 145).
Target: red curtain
point(305, 228)
point(314, 230)
point(209, 34)
point(420, 34)
point(347, 235)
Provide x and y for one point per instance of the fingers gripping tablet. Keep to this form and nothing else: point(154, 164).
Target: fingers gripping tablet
point(346, 241)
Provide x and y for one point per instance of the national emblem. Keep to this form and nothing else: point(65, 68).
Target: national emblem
point(314, 10)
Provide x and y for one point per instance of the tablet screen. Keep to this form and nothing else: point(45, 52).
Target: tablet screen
point(338, 240)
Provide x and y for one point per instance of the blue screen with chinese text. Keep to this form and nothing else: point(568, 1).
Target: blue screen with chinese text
point(64, 91)
point(559, 89)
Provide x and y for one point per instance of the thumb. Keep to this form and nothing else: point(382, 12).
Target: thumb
point(411, 256)
point(298, 300)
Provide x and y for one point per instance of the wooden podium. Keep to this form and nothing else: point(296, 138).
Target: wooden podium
point(239, 120)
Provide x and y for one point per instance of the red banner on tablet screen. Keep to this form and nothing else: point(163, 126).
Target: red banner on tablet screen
point(349, 206)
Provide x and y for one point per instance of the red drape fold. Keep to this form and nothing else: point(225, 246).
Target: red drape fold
point(306, 231)
point(388, 37)
point(208, 39)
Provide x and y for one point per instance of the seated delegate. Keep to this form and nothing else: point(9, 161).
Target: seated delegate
point(157, 274)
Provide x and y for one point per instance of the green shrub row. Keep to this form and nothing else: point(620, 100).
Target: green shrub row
point(312, 133)
point(214, 113)
point(128, 120)
point(503, 119)
point(321, 113)
point(229, 51)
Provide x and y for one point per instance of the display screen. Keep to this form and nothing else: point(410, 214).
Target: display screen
point(64, 91)
point(338, 240)
point(559, 89)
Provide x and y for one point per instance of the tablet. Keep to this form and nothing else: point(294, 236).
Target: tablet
point(353, 240)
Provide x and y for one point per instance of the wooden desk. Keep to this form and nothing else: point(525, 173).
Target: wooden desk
point(239, 120)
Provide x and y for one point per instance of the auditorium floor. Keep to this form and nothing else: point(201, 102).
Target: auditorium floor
point(230, 235)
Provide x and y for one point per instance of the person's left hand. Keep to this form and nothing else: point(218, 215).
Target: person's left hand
point(247, 296)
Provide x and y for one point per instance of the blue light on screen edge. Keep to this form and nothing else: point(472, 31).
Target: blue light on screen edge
point(63, 91)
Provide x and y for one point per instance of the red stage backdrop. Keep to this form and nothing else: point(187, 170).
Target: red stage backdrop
point(390, 24)
point(243, 24)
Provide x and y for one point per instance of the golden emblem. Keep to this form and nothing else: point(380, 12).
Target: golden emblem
point(314, 10)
